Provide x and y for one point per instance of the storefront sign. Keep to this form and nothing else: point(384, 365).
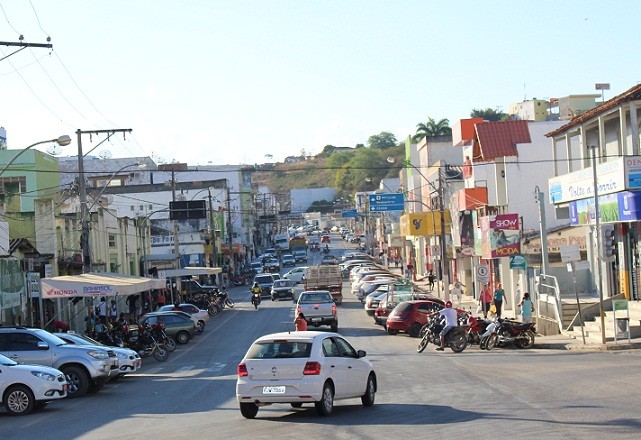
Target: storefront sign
point(518, 262)
point(613, 176)
point(624, 206)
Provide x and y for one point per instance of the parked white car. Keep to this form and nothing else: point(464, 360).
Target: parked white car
point(303, 367)
point(24, 388)
point(200, 317)
point(129, 361)
point(297, 274)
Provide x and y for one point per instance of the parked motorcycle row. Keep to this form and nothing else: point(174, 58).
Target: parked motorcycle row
point(487, 334)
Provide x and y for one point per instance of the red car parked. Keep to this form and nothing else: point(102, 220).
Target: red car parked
point(410, 316)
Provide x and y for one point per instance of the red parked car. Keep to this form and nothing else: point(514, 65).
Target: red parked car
point(410, 316)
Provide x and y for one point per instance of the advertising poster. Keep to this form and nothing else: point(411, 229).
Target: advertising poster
point(501, 235)
point(466, 230)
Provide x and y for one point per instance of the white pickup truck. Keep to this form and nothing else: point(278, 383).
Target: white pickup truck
point(319, 308)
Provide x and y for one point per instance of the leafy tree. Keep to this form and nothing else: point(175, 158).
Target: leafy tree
point(365, 163)
point(360, 146)
point(382, 141)
point(337, 160)
point(432, 128)
point(489, 114)
point(327, 151)
point(322, 206)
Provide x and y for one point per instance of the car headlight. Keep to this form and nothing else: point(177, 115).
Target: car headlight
point(98, 354)
point(44, 375)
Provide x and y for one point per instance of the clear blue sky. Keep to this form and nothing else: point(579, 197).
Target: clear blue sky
point(229, 82)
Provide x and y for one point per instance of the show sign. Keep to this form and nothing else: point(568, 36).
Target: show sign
point(500, 236)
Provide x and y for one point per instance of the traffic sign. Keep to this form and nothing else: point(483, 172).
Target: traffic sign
point(483, 273)
point(349, 213)
point(386, 202)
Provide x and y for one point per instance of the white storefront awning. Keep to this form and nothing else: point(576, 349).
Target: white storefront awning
point(188, 271)
point(97, 284)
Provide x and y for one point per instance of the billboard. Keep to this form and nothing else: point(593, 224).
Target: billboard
point(500, 235)
point(187, 210)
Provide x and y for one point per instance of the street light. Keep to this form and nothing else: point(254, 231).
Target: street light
point(62, 141)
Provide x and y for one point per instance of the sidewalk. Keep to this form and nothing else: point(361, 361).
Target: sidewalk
point(551, 342)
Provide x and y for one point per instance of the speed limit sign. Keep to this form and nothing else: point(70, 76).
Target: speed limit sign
point(483, 273)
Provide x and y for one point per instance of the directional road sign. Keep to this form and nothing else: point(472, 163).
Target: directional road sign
point(386, 202)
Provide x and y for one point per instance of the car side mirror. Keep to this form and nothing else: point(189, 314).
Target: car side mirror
point(43, 346)
point(361, 353)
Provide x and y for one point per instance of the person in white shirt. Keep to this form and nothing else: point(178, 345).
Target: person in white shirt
point(450, 322)
point(102, 308)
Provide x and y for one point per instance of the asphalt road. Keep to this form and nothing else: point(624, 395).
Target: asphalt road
point(504, 393)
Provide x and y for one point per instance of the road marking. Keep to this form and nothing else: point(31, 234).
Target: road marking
point(184, 369)
point(153, 370)
point(216, 368)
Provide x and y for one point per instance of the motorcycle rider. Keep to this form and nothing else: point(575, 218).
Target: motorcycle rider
point(256, 290)
point(450, 322)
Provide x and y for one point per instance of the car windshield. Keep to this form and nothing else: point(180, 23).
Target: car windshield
point(279, 349)
point(264, 279)
point(79, 340)
point(404, 307)
point(314, 297)
point(6, 361)
point(282, 283)
point(50, 338)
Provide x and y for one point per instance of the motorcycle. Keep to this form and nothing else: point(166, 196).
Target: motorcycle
point(478, 327)
point(489, 338)
point(456, 338)
point(256, 299)
point(225, 300)
point(143, 341)
point(509, 331)
point(160, 335)
point(111, 338)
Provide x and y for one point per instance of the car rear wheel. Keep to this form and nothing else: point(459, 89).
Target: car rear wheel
point(334, 328)
point(326, 405)
point(391, 332)
point(248, 410)
point(414, 330)
point(182, 337)
point(370, 392)
point(18, 400)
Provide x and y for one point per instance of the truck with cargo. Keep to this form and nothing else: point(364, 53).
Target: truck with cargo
point(325, 277)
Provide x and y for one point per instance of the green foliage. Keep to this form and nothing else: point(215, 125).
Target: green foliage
point(492, 115)
point(383, 140)
point(327, 151)
point(322, 206)
point(432, 128)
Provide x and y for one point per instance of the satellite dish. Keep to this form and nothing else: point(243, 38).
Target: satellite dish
point(105, 154)
point(54, 149)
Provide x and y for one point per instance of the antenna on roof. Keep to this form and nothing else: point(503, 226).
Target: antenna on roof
point(524, 93)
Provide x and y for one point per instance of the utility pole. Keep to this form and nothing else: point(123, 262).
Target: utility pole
point(82, 194)
point(445, 270)
point(23, 46)
point(230, 234)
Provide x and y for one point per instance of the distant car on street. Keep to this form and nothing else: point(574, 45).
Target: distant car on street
point(297, 274)
point(288, 260)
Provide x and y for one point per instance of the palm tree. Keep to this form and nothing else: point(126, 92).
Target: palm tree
point(432, 128)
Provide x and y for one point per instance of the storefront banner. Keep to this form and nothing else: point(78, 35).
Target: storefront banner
point(624, 206)
point(501, 235)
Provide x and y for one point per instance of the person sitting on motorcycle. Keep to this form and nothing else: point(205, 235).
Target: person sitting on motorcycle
point(450, 322)
point(256, 290)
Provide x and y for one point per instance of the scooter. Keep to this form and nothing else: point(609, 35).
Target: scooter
point(489, 338)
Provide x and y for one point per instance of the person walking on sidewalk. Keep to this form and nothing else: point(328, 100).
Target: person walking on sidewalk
point(486, 299)
point(430, 279)
point(499, 296)
point(410, 270)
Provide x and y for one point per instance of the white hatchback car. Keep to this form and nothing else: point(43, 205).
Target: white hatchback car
point(303, 367)
point(297, 274)
point(24, 388)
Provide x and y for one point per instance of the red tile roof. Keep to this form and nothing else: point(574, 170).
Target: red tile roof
point(632, 94)
point(499, 139)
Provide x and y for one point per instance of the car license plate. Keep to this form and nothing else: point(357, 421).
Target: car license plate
point(316, 319)
point(274, 390)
